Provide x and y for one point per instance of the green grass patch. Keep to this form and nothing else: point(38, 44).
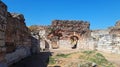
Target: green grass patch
point(88, 52)
point(63, 55)
point(51, 60)
point(96, 57)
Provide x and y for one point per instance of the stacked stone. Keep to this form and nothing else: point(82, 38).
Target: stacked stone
point(3, 14)
point(17, 38)
point(81, 27)
point(17, 34)
point(116, 29)
point(64, 29)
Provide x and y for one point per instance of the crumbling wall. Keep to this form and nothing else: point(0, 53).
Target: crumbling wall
point(16, 34)
point(69, 27)
point(15, 37)
point(63, 30)
point(3, 15)
point(106, 40)
point(115, 30)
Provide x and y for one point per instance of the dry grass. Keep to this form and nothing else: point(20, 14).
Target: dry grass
point(85, 57)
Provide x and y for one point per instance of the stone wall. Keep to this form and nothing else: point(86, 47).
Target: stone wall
point(3, 15)
point(17, 34)
point(69, 27)
point(106, 40)
point(115, 30)
point(63, 30)
point(15, 37)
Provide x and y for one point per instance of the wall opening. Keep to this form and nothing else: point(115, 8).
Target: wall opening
point(74, 41)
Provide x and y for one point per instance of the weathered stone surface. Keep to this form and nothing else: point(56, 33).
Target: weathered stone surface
point(64, 44)
point(20, 53)
point(115, 30)
point(106, 40)
point(17, 38)
point(3, 15)
point(16, 32)
point(67, 27)
point(13, 35)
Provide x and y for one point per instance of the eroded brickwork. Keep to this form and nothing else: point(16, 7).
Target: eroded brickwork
point(3, 15)
point(15, 37)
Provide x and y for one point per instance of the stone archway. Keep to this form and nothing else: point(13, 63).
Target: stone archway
point(74, 41)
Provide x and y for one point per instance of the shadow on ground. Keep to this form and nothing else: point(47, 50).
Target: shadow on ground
point(36, 60)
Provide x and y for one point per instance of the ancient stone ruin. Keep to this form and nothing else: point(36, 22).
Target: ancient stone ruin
point(17, 41)
point(3, 22)
point(15, 37)
point(66, 31)
point(65, 34)
point(107, 40)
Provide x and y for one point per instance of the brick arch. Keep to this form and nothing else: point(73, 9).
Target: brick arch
point(71, 37)
point(74, 41)
point(76, 35)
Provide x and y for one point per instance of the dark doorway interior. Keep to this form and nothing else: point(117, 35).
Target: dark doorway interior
point(74, 41)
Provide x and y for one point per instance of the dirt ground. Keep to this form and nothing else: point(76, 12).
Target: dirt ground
point(40, 60)
point(113, 58)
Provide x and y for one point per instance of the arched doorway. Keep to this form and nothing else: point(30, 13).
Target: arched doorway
point(74, 41)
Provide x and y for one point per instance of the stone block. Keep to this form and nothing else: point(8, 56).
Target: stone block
point(2, 35)
point(3, 49)
point(2, 55)
point(10, 49)
point(2, 43)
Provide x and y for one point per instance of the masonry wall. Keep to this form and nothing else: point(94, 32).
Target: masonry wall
point(3, 15)
point(15, 37)
point(63, 30)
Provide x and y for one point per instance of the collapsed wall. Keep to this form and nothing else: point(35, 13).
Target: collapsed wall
point(107, 40)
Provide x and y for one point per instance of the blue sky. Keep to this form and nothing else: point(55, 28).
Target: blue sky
point(100, 13)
